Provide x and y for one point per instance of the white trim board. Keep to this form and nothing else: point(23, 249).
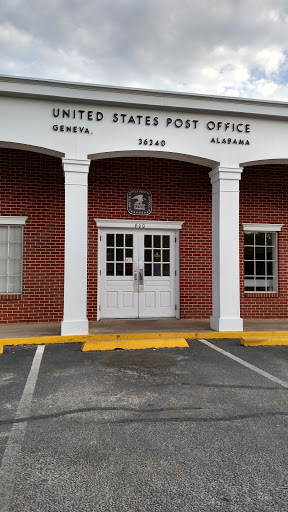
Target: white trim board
point(262, 227)
point(132, 224)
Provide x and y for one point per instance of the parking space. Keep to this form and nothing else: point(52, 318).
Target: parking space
point(179, 429)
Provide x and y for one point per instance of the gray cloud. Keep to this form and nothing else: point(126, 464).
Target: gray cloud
point(216, 47)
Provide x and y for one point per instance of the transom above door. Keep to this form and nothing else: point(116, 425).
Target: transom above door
point(137, 272)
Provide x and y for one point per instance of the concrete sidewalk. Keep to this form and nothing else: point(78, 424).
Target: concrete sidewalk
point(166, 325)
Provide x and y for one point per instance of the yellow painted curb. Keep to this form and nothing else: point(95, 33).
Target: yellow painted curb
point(264, 341)
point(134, 344)
point(47, 340)
point(1, 349)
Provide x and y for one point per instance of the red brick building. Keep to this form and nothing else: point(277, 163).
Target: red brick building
point(115, 206)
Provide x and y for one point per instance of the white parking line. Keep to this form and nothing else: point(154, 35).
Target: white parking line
point(11, 454)
point(248, 365)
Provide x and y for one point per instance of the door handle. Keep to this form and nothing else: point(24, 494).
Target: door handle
point(135, 276)
point(141, 276)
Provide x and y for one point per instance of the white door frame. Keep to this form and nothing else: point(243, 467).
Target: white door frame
point(143, 224)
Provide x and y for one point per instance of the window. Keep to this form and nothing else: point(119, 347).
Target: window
point(261, 257)
point(11, 254)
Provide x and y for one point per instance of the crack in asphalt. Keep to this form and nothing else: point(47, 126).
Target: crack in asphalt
point(182, 419)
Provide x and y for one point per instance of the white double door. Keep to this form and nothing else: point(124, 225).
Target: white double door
point(137, 273)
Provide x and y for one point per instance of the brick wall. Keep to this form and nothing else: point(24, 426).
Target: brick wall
point(32, 185)
point(180, 192)
point(264, 199)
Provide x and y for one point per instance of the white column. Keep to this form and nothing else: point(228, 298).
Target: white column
point(225, 249)
point(75, 273)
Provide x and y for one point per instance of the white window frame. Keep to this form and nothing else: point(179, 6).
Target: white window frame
point(264, 228)
point(8, 221)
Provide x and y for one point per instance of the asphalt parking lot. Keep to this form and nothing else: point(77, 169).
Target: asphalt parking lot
point(186, 429)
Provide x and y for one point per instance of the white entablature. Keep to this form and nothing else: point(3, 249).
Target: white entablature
point(81, 121)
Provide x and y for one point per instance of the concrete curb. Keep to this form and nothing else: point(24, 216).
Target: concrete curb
point(132, 337)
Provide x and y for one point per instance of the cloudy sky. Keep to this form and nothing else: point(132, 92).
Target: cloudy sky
point(223, 47)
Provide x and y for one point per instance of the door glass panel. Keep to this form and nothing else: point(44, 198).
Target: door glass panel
point(157, 255)
point(166, 255)
point(119, 254)
point(128, 269)
point(166, 269)
point(148, 269)
point(129, 254)
point(110, 240)
point(119, 240)
point(148, 255)
point(110, 269)
point(147, 240)
point(128, 240)
point(116, 254)
point(110, 254)
point(119, 269)
point(157, 241)
point(166, 241)
point(157, 269)
point(160, 252)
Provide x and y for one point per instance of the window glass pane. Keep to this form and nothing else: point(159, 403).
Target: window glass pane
point(249, 268)
point(3, 267)
point(148, 269)
point(147, 241)
point(260, 253)
point(270, 265)
point(3, 234)
point(119, 240)
point(249, 253)
point(110, 269)
point(3, 284)
point(128, 269)
point(148, 254)
point(157, 269)
point(260, 268)
point(15, 250)
point(110, 254)
point(249, 238)
point(260, 238)
point(157, 255)
point(119, 254)
point(14, 267)
point(269, 239)
point(15, 234)
point(166, 269)
point(166, 241)
point(14, 285)
point(166, 255)
point(269, 253)
point(110, 239)
point(3, 250)
point(128, 240)
point(157, 241)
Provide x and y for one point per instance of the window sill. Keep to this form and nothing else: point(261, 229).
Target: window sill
point(261, 295)
point(11, 296)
